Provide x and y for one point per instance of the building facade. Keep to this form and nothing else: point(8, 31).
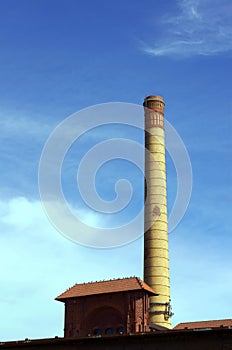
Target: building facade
point(111, 307)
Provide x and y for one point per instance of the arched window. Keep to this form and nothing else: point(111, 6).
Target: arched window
point(109, 331)
point(77, 333)
point(120, 330)
point(97, 331)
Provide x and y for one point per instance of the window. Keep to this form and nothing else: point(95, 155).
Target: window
point(120, 330)
point(77, 333)
point(97, 331)
point(109, 331)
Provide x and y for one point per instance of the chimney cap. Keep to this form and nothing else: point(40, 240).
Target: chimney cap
point(154, 98)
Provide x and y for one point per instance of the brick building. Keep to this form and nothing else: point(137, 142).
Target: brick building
point(209, 324)
point(119, 306)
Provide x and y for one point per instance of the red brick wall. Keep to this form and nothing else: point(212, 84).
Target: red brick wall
point(84, 315)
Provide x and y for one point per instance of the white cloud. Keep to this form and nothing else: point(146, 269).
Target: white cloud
point(20, 213)
point(38, 264)
point(199, 28)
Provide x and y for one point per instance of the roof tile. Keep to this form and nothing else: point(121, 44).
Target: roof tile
point(204, 324)
point(102, 287)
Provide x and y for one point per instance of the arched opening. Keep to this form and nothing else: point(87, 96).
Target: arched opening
point(97, 331)
point(105, 318)
point(109, 331)
point(121, 330)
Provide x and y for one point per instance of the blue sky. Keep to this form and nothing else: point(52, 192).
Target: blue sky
point(58, 57)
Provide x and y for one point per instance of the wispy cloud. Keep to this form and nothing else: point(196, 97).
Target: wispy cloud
point(198, 28)
point(22, 125)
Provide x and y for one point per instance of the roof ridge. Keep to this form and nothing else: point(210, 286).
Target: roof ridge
point(104, 280)
point(106, 286)
point(140, 282)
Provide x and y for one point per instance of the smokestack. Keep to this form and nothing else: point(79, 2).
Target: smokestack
point(156, 261)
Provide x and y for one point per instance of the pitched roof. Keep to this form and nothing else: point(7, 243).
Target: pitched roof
point(102, 287)
point(204, 324)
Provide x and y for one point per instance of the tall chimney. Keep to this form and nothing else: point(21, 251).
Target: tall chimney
point(156, 261)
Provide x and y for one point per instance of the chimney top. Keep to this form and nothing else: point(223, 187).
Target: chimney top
point(155, 103)
point(154, 98)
